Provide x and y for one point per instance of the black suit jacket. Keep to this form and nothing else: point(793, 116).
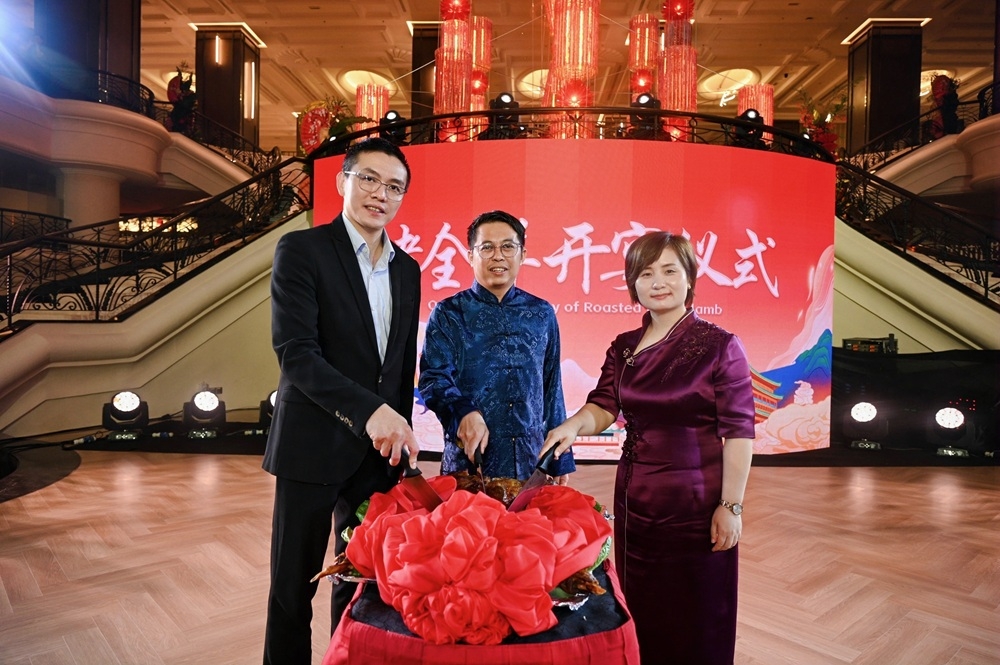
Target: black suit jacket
point(332, 379)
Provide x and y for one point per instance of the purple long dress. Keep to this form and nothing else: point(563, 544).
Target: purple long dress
point(680, 398)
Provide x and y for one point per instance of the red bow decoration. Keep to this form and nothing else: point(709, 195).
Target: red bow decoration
point(469, 571)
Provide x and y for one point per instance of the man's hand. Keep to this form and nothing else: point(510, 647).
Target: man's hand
point(390, 433)
point(473, 433)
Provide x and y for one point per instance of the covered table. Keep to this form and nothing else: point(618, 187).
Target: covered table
point(599, 632)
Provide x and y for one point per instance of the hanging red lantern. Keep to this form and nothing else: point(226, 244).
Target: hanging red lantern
point(641, 81)
point(678, 10)
point(455, 9)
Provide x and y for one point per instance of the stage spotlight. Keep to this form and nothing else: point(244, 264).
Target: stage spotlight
point(389, 129)
point(267, 409)
point(125, 414)
point(865, 422)
point(950, 430)
point(645, 125)
point(503, 125)
point(750, 136)
point(204, 414)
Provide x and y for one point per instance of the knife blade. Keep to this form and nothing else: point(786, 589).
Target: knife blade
point(539, 479)
point(413, 483)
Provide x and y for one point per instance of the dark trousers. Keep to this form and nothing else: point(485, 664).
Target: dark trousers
point(300, 534)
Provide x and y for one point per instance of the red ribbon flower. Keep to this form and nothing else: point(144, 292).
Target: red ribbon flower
point(470, 571)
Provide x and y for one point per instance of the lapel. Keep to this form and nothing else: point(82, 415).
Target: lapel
point(396, 283)
point(349, 264)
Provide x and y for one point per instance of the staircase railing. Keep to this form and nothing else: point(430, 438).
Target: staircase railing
point(959, 249)
point(65, 82)
point(21, 224)
point(103, 271)
point(920, 131)
point(209, 133)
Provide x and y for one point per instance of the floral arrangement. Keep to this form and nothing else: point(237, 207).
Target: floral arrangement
point(326, 119)
point(817, 120)
point(470, 571)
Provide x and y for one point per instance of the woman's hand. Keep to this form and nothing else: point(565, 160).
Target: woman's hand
point(726, 529)
point(562, 436)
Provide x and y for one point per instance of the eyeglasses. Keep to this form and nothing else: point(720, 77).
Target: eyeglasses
point(371, 184)
point(488, 250)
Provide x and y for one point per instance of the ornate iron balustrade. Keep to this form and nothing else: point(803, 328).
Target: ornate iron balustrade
point(593, 123)
point(89, 85)
point(961, 250)
point(919, 132)
point(222, 139)
point(21, 224)
point(104, 271)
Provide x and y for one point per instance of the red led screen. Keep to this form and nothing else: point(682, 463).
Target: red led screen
point(761, 224)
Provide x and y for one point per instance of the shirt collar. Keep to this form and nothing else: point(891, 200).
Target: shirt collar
point(359, 244)
point(485, 295)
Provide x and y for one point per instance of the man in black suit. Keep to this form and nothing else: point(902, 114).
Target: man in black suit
point(344, 316)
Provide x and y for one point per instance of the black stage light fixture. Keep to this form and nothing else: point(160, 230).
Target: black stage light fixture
point(267, 409)
point(503, 125)
point(124, 415)
point(645, 125)
point(204, 414)
point(750, 136)
point(865, 425)
point(389, 129)
point(950, 430)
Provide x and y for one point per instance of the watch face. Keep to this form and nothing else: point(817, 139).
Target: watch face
point(737, 509)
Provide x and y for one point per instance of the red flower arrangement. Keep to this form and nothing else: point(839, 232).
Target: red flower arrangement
point(470, 571)
point(818, 121)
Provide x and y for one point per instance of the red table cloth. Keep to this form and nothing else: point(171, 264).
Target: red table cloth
point(600, 632)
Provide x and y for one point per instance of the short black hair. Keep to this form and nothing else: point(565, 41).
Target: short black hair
point(375, 144)
point(496, 216)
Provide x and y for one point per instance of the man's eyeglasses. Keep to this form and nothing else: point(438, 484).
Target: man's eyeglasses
point(488, 250)
point(371, 184)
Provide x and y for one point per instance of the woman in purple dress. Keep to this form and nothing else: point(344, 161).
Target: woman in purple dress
point(683, 386)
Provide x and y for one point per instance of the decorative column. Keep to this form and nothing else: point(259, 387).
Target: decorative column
point(227, 71)
point(574, 62)
point(89, 195)
point(678, 75)
point(371, 101)
point(643, 53)
point(883, 68)
point(453, 79)
point(482, 60)
point(758, 96)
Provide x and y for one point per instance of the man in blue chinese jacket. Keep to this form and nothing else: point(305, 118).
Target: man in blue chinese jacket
point(490, 362)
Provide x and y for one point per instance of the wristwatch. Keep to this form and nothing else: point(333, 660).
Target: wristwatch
point(735, 508)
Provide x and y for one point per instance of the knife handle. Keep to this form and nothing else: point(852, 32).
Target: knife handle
point(404, 462)
point(477, 457)
point(548, 463)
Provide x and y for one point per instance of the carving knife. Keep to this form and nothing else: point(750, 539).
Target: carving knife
point(413, 483)
point(478, 459)
point(539, 479)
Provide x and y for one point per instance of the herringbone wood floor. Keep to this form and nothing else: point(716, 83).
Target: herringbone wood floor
point(142, 558)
